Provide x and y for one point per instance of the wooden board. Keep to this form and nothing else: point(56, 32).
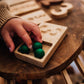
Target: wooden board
point(25, 7)
point(52, 36)
point(14, 2)
point(37, 17)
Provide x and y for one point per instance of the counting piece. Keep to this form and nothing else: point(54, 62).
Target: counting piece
point(25, 7)
point(37, 17)
point(39, 53)
point(64, 9)
point(47, 3)
point(37, 45)
point(24, 49)
point(49, 45)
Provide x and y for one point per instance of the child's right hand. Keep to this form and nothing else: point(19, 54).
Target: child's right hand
point(20, 27)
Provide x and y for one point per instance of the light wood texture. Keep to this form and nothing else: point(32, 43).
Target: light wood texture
point(29, 82)
point(66, 77)
point(52, 35)
point(12, 68)
point(37, 17)
point(63, 10)
point(19, 70)
point(23, 8)
point(14, 2)
point(47, 3)
point(80, 65)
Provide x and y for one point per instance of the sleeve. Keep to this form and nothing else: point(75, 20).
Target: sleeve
point(5, 14)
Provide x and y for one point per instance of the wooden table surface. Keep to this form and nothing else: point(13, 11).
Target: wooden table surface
point(12, 68)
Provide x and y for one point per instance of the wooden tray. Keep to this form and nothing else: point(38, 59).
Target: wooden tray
point(52, 36)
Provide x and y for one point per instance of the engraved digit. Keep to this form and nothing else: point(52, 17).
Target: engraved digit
point(65, 8)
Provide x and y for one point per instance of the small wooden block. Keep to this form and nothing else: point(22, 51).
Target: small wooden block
point(64, 9)
point(47, 3)
point(37, 17)
point(50, 44)
point(25, 7)
point(13, 2)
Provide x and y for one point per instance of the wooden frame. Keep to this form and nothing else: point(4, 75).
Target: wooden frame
point(50, 44)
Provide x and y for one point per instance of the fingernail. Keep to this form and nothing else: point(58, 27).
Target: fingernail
point(10, 48)
point(30, 46)
point(41, 41)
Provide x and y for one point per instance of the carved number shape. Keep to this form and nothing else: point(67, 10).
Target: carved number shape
point(64, 10)
point(45, 29)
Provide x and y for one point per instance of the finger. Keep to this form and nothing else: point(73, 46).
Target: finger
point(34, 29)
point(8, 40)
point(21, 32)
point(33, 37)
point(12, 34)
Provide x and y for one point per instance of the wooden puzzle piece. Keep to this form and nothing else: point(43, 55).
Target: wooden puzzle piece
point(13, 2)
point(37, 17)
point(50, 44)
point(47, 3)
point(24, 8)
point(63, 11)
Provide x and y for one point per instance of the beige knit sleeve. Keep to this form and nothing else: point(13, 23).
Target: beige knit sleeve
point(5, 14)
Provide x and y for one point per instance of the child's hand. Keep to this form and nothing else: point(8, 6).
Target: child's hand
point(20, 27)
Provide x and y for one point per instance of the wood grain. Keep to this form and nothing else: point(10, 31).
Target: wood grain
point(52, 36)
point(80, 65)
point(12, 68)
point(64, 10)
point(14, 2)
point(66, 77)
point(37, 17)
point(25, 7)
point(47, 3)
